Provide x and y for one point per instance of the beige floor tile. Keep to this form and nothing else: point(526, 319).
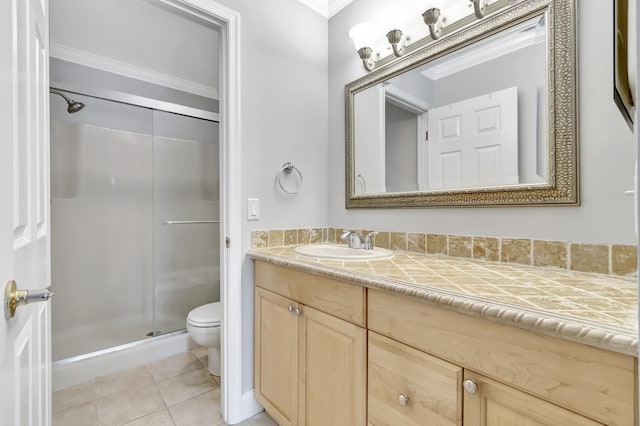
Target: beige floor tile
point(174, 366)
point(137, 401)
point(261, 419)
point(202, 354)
point(122, 381)
point(188, 385)
point(203, 410)
point(74, 406)
point(76, 395)
point(76, 415)
point(159, 418)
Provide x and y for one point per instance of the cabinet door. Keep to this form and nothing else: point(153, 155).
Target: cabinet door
point(333, 357)
point(276, 356)
point(493, 403)
point(410, 387)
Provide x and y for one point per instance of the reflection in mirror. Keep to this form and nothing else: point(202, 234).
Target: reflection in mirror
point(474, 118)
point(484, 116)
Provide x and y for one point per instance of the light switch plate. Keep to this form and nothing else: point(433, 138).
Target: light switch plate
point(253, 209)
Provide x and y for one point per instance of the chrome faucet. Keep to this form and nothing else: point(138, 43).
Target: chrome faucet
point(353, 239)
point(368, 244)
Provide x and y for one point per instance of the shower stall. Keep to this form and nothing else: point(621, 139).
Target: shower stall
point(135, 237)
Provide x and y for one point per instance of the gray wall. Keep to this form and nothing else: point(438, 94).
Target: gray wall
point(284, 118)
point(607, 151)
point(137, 32)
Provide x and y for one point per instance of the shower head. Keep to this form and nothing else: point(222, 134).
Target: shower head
point(72, 106)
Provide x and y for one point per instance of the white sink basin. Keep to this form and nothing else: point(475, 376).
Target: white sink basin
point(343, 252)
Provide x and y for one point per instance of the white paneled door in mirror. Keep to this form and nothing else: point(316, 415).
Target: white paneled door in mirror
point(473, 143)
point(25, 363)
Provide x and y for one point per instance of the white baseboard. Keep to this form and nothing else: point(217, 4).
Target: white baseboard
point(247, 408)
point(67, 374)
point(250, 406)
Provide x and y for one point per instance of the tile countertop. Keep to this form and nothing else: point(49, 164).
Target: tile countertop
point(596, 310)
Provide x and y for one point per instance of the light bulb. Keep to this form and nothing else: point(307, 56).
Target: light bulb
point(364, 35)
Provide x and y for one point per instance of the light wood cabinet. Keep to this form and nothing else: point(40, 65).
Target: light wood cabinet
point(276, 356)
point(409, 387)
point(333, 365)
point(496, 404)
point(331, 353)
point(545, 372)
point(310, 367)
point(336, 298)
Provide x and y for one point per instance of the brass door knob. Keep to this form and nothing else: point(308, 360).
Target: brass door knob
point(14, 297)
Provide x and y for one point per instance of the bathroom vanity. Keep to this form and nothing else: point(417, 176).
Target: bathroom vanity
point(310, 335)
point(339, 343)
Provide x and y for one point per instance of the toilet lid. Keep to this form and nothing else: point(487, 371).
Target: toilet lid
point(206, 315)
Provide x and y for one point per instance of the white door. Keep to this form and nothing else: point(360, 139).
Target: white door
point(25, 343)
point(369, 142)
point(474, 143)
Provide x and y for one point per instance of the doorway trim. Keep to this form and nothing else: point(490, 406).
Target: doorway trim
point(235, 405)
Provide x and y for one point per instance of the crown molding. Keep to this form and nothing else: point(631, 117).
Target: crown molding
point(326, 8)
point(336, 6)
point(485, 51)
point(93, 60)
point(406, 101)
point(318, 6)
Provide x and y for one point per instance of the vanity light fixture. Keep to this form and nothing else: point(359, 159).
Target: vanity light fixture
point(434, 19)
point(395, 37)
point(479, 7)
point(364, 37)
point(395, 17)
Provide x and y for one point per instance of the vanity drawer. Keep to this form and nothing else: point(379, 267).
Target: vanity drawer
point(337, 298)
point(596, 383)
point(410, 387)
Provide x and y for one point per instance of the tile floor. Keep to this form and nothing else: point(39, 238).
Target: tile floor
point(175, 391)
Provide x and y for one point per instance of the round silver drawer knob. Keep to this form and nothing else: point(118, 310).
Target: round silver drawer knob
point(403, 400)
point(470, 386)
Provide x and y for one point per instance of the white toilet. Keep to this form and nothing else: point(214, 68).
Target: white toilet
point(203, 325)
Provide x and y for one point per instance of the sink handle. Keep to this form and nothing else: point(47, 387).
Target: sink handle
point(368, 245)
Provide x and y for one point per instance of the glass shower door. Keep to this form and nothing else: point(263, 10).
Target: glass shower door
point(101, 237)
point(186, 217)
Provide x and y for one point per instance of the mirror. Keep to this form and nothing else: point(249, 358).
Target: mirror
point(471, 119)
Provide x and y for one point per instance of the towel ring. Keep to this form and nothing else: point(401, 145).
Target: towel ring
point(286, 169)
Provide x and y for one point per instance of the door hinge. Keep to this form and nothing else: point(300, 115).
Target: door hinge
point(227, 241)
point(426, 135)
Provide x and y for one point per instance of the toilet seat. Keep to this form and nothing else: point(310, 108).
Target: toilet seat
point(206, 315)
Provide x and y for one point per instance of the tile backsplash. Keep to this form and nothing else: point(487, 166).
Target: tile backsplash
point(583, 257)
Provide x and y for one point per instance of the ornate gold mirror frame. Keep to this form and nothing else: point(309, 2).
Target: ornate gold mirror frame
point(562, 118)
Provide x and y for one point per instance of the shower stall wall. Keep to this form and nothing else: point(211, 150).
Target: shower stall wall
point(135, 230)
